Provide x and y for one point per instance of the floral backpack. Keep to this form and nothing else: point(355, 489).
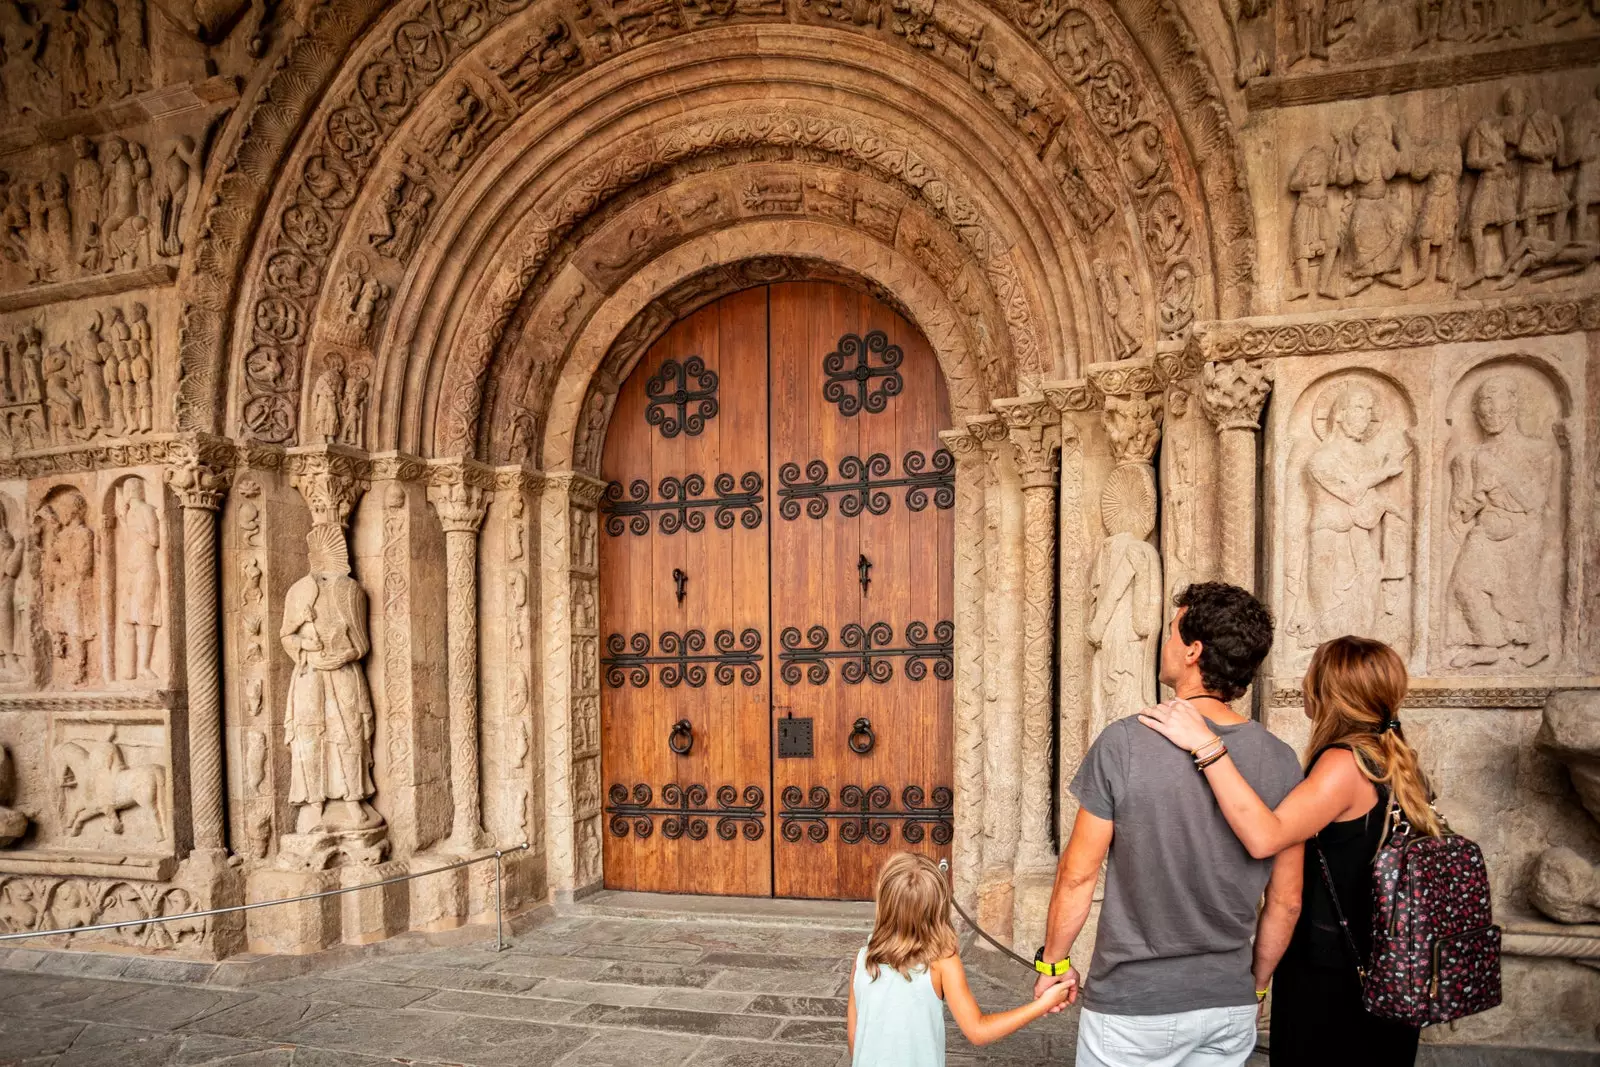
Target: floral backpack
point(1435, 947)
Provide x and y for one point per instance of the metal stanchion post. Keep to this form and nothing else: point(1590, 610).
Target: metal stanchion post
point(499, 877)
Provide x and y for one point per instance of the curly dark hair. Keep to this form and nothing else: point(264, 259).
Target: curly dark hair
point(1234, 630)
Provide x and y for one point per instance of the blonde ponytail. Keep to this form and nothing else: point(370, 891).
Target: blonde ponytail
point(1353, 690)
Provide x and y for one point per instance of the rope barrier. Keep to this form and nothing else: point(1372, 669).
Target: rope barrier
point(944, 867)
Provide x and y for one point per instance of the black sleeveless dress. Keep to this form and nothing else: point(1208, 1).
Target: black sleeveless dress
point(1317, 1017)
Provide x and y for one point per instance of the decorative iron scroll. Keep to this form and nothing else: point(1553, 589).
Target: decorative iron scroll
point(681, 507)
point(867, 652)
point(850, 373)
point(684, 812)
point(864, 814)
point(683, 658)
point(670, 387)
point(864, 486)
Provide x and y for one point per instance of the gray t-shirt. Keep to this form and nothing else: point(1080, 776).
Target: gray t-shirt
point(1181, 891)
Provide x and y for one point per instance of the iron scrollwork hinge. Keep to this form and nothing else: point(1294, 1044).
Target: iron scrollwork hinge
point(850, 386)
point(669, 387)
point(683, 658)
point(680, 506)
point(864, 814)
point(865, 485)
point(867, 652)
point(685, 813)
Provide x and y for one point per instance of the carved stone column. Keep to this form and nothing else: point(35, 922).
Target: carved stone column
point(1233, 394)
point(1035, 435)
point(1002, 674)
point(460, 506)
point(200, 487)
point(967, 848)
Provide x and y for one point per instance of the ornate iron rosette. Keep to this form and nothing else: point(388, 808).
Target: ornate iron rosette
point(671, 387)
point(854, 381)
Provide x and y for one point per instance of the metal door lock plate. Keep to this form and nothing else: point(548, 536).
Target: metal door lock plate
point(794, 738)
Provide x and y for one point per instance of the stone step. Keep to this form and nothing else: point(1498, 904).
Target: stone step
point(768, 911)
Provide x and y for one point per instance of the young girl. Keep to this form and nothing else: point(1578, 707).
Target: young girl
point(1357, 760)
point(909, 966)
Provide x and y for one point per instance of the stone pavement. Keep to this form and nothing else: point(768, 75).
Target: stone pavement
point(610, 984)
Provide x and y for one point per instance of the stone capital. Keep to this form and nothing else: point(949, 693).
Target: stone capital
point(459, 505)
point(582, 490)
point(330, 479)
point(1234, 392)
point(1071, 395)
point(1032, 425)
point(197, 481)
point(966, 448)
point(397, 467)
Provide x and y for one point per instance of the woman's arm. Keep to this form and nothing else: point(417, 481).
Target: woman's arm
point(981, 1029)
point(1328, 790)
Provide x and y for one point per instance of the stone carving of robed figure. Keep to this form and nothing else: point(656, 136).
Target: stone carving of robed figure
point(329, 720)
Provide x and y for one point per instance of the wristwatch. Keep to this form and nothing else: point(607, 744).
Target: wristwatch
point(1054, 970)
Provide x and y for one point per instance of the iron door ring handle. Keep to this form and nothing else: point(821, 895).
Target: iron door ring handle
point(862, 738)
point(681, 739)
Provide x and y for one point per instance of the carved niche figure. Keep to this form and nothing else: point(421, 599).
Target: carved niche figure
point(1437, 164)
point(1125, 627)
point(68, 576)
point(1375, 235)
point(1494, 198)
point(87, 178)
point(141, 367)
point(326, 394)
point(62, 405)
point(11, 548)
point(124, 228)
point(353, 406)
point(1503, 504)
point(95, 780)
point(1543, 205)
point(178, 190)
point(138, 544)
point(328, 723)
point(30, 347)
point(1119, 306)
point(406, 208)
point(1354, 567)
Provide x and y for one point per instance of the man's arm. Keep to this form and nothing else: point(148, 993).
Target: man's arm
point(1276, 925)
point(1074, 889)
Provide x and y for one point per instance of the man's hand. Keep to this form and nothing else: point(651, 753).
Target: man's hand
point(1071, 980)
point(1179, 722)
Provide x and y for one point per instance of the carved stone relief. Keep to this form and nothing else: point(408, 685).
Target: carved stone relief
point(1126, 598)
point(111, 782)
point(13, 823)
point(1350, 516)
point(68, 554)
point(138, 609)
point(1505, 467)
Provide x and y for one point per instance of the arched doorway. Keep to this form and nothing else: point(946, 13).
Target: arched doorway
point(776, 600)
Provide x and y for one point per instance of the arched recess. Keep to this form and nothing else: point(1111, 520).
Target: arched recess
point(1063, 112)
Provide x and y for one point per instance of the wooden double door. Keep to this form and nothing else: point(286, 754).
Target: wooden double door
point(776, 601)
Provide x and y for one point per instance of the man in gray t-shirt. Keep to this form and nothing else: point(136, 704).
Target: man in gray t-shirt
point(1174, 977)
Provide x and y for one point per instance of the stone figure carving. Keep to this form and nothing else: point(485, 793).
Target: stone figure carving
point(1543, 203)
point(1125, 627)
point(13, 824)
point(1563, 884)
point(1582, 150)
point(124, 229)
point(328, 723)
point(359, 298)
point(1375, 235)
point(141, 369)
point(95, 780)
point(67, 552)
point(63, 408)
point(1437, 164)
point(138, 577)
point(87, 178)
point(177, 191)
point(1494, 198)
point(353, 406)
point(93, 350)
point(1503, 497)
point(1119, 307)
point(1354, 567)
point(406, 208)
point(11, 549)
point(325, 399)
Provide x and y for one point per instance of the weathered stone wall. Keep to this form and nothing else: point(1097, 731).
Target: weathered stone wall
point(328, 303)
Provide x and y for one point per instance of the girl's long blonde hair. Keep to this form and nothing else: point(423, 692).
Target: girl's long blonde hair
point(1353, 691)
point(912, 926)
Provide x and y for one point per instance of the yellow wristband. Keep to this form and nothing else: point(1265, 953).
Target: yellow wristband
point(1054, 970)
point(1261, 994)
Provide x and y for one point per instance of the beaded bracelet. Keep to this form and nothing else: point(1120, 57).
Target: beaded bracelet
point(1202, 764)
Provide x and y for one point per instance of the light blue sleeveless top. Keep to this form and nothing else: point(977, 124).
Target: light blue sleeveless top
point(899, 1023)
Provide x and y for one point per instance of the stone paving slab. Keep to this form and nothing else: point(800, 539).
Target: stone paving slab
point(581, 989)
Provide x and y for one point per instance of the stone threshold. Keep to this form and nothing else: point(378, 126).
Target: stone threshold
point(765, 911)
point(252, 968)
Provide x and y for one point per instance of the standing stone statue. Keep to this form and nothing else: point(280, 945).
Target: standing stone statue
point(1314, 227)
point(92, 353)
point(325, 397)
point(1494, 198)
point(329, 719)
point(10, 568)
point(1583, 151)
point(178, 190)
point(1543, 206)
point(1126, 626)
point(1501, 496)
point(68, 575)
point(87, 178)
point(141, 368)
point(1357, 554)
point(1379, 225)
point(138, 579)
point(1437, 164)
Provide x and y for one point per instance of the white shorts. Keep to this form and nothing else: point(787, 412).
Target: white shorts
point(1210, 1037)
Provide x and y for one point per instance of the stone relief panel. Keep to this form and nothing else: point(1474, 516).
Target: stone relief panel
point(1349, 515)
point(136, 544)
point(1436, 195)
point(29, 902)
point(15, 617)
point(1186, 472)
point(112, 783)
point(1504, 496)
point(1125, 609)
point(66, 551)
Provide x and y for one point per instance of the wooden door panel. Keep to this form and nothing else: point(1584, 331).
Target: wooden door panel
point(858, 478)
point(688, 497)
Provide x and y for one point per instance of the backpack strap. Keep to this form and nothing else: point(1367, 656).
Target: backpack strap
point(1327, 880)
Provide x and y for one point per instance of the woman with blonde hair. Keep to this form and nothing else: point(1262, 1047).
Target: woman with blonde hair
point(909, 970)
point(1359, 770)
